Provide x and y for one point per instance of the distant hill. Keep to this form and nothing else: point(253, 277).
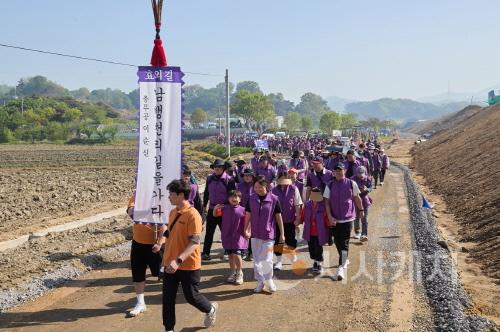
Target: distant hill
point(338, 104)
point(402, 110)
point(444, 98)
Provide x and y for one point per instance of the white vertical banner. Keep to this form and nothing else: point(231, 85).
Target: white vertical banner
point(160, 141)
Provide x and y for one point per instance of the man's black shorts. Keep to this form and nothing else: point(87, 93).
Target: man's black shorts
point(141, 257)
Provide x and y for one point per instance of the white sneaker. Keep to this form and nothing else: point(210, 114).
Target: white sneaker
point(340, 273)
point(272, 286)
point(260, 287)
point(239, 279)
point(232, 277)
point(278, 266)
point(212, 315)
point(357, 236)
point(138, 309)
point(364, 238)
point(225, 257)
point(294, 259)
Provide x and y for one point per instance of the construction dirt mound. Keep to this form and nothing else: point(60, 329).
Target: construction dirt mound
point(460, 163)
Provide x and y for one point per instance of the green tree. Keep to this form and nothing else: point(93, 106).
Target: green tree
point(40, 86)
point(307, 123)
point(281, 105)
point(6, 135)
point(329, 122)
point(249, 86)
point(253, 107)
point(312, 105)
point(293, 121)
point(348, 120)
point(198, 116)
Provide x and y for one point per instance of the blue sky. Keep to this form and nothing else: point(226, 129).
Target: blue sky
point(358, 49)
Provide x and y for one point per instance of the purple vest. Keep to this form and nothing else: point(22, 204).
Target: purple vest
point(365, 197)
point(233, 227)
point(217, 189)
point(192, 193)
point(255, 163)
point(268, 172)
point(298, 164)
point(354, 167)
point(321, 180)
point(341, 201)
point(300, 186)
point(262, 220)
point(320, 225)
point(377, 162)
point(246, 190)
point(331, 163)
point(287, 202)
point(385, 161)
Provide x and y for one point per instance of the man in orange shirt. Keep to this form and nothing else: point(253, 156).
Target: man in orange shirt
point(182, 258)
point(146, 243)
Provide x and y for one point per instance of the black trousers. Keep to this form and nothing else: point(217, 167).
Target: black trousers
point(341, 236)
point(212, 223)
point(382, 175)
point(189, 281)
point(290, 241)
point(376, 175)
point(315, 249)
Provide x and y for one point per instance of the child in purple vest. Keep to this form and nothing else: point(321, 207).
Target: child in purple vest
point(262, 220)
point(290, 203)
point(233, 234)
point(316, 231)
point(246, 189)
point(364, 183)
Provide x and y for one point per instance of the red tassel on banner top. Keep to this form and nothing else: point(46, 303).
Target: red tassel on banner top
point(158, 58)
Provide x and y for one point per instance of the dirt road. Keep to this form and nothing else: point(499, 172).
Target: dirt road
point(383, 298)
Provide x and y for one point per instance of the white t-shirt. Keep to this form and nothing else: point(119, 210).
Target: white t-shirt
point(355, 192)
point(297, 198)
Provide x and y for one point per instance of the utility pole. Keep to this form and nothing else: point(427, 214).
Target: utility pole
point(220, 123)
point(228, 124)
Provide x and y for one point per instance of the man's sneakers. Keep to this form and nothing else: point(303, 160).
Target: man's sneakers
point(259, 287)
point(225, 257)
point(381, 184)
point(212, 315)
point(357, 235)
point(317, 268)
point(364, 238)
point(205, 257)
point(272, 286)
point(340, 274)
point(277, 266)
point(239, 278)
point(138, 309)
point(232, 277)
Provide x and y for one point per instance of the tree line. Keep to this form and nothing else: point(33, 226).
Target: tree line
point(38, 118)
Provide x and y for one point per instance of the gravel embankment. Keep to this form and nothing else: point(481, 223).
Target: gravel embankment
point(447, 297)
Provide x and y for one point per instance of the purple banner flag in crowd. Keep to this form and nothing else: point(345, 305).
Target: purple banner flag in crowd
point(160, 141)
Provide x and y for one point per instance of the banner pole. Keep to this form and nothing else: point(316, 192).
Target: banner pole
point(228, 123)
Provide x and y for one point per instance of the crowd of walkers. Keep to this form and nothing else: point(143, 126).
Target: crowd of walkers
point(261, 207)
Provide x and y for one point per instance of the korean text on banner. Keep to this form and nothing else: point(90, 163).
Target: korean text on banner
point(160, 145)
